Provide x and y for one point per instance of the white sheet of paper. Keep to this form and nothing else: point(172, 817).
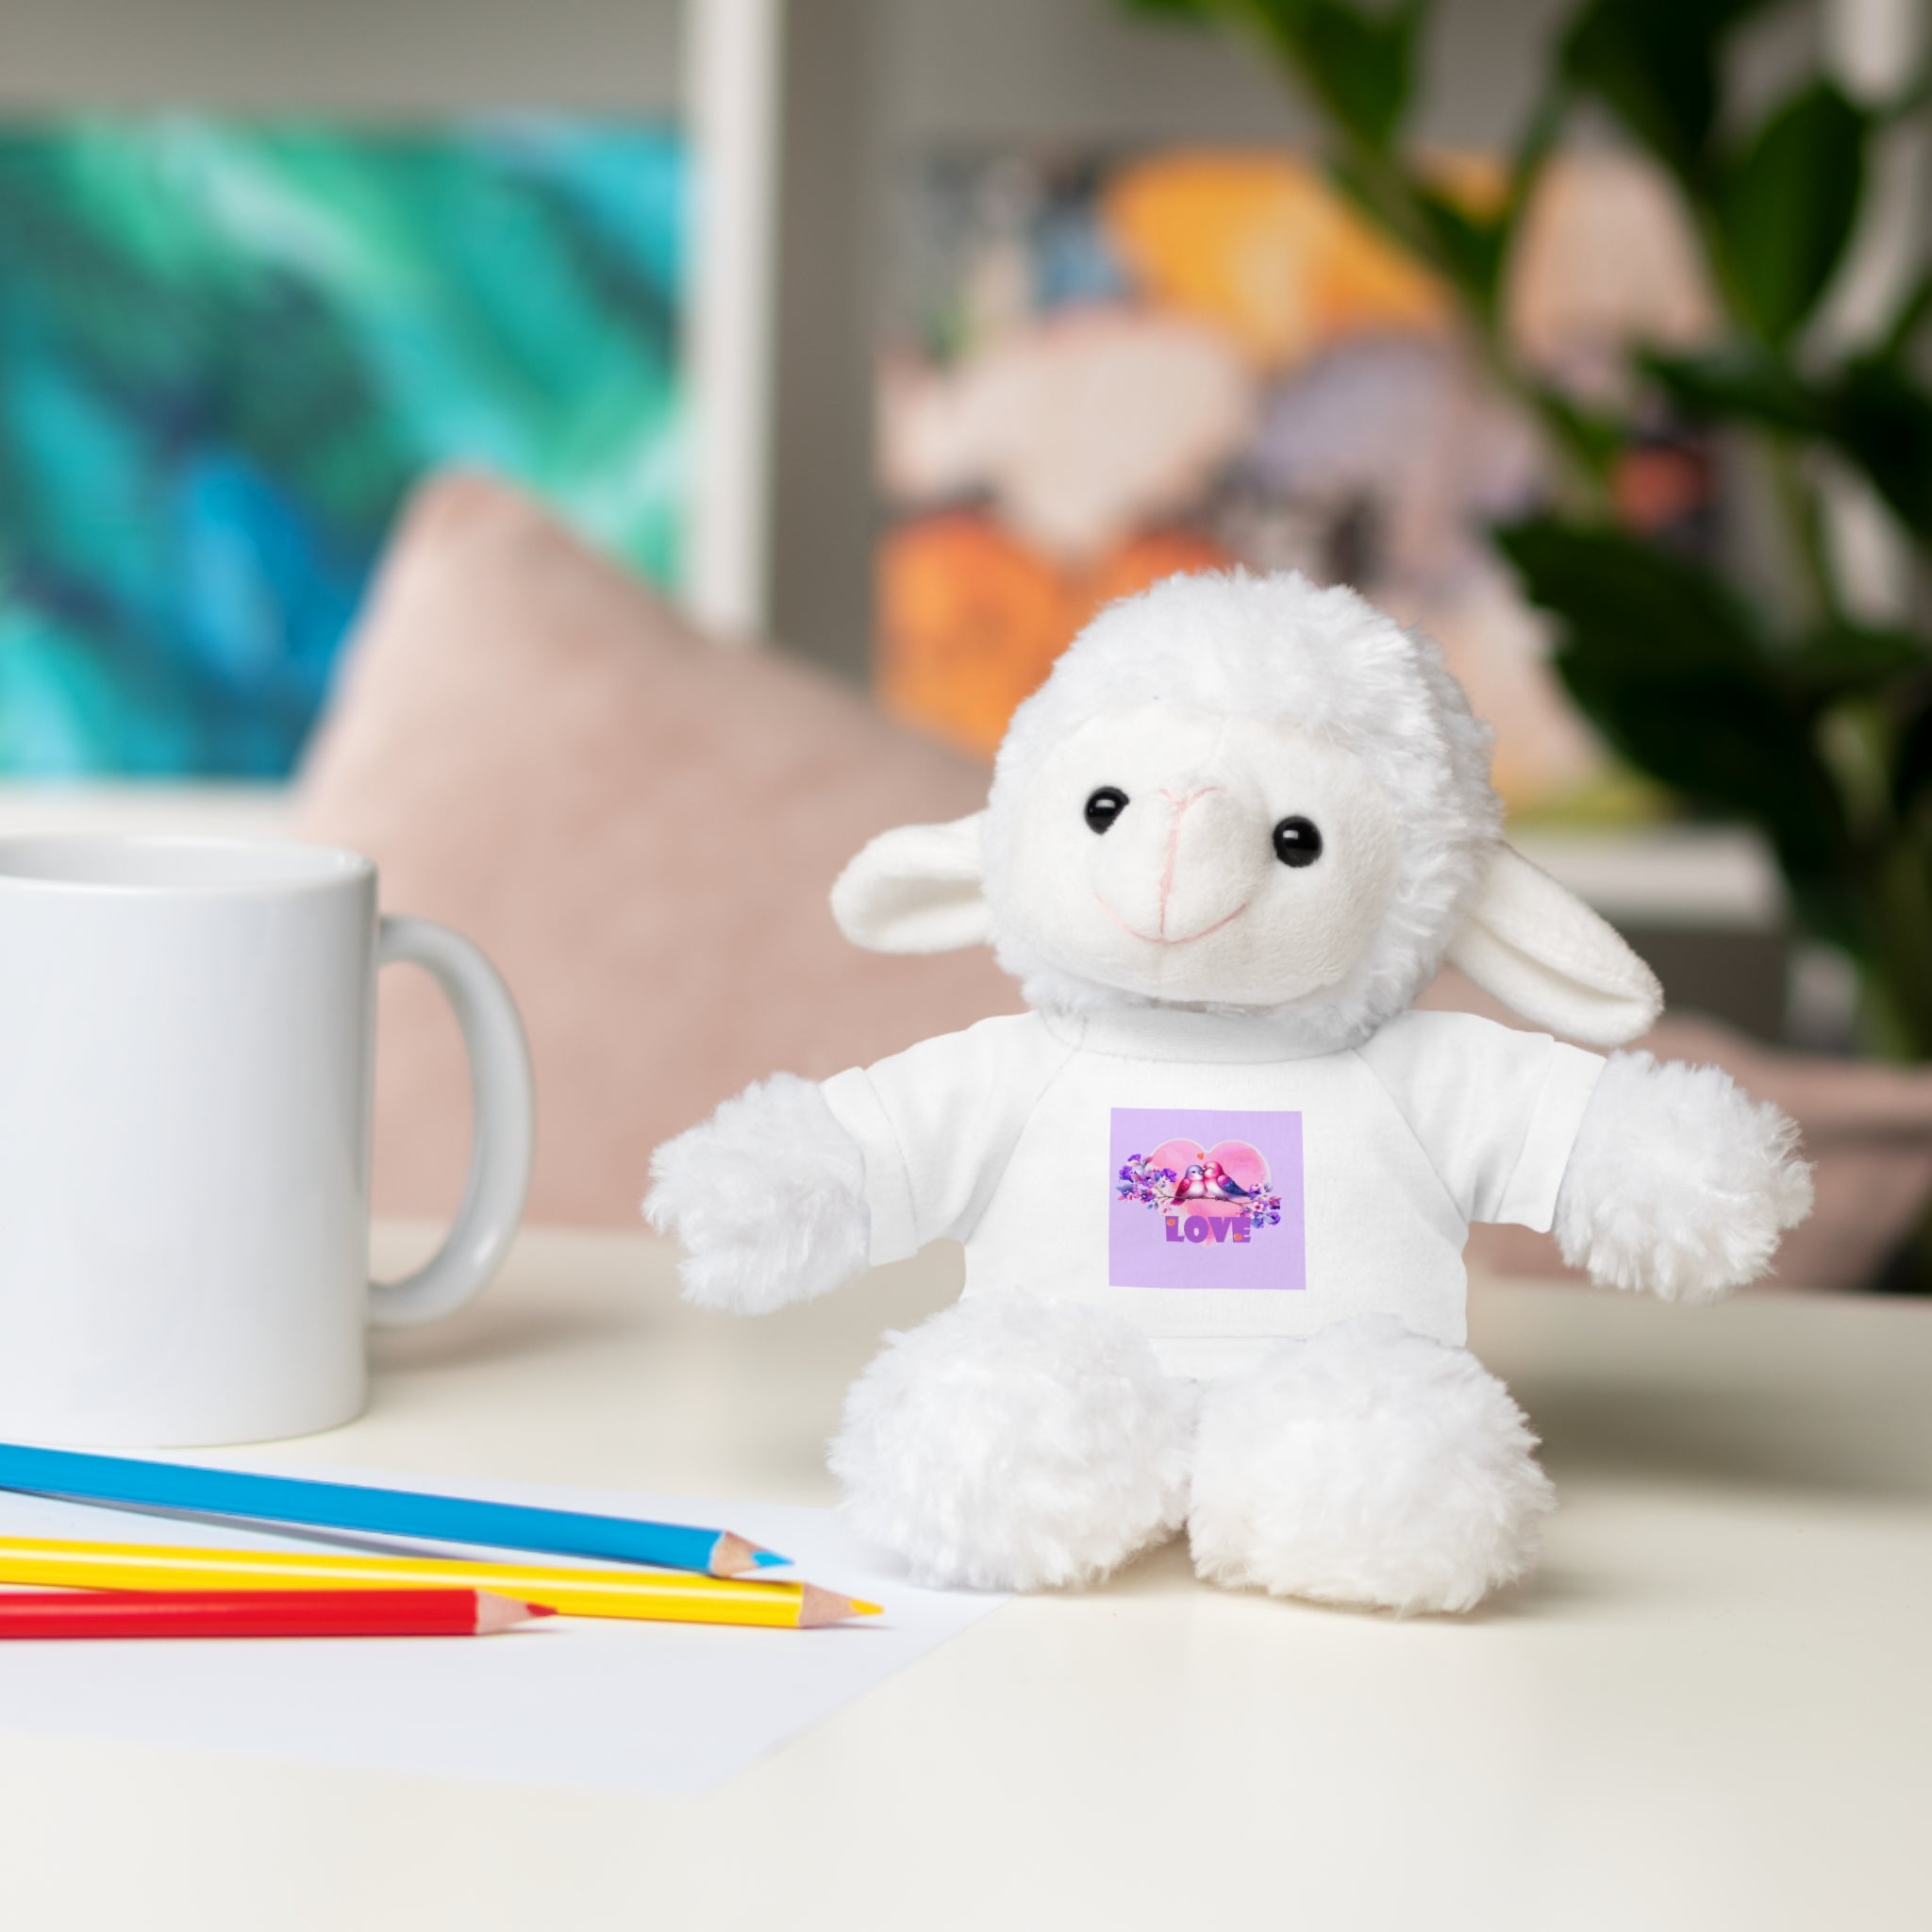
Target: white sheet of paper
point(589, 1703)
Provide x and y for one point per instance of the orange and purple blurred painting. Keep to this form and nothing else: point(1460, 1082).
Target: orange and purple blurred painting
point(1103, 370)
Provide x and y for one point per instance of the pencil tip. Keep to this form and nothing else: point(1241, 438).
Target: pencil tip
point(731, 1555)
point(816, 1607)
point(494, 1613)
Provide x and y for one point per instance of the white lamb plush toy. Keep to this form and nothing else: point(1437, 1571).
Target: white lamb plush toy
point(1214, 1186)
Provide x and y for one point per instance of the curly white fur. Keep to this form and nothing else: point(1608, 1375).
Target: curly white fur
point(1330, 660)
point(1015, 1444)
point(1366, 1466)
point(1680, 1182)
point(803, 1231)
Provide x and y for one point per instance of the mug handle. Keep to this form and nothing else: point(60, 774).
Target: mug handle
point(503, 1137)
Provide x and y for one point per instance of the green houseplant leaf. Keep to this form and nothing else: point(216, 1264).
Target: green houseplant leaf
point(1677, 672)
point(1853, 659)
point(1881, 417)
point(1359, 64)
point(1788, 206)
point(1873, 411)
point(1472, 247)
point(1653, 63)
point(1911, 783)
point(1666, 611)
point(1742, 381)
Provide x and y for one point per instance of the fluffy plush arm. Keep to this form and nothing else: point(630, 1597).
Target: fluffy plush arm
point(1679, 1181)
point(767, 1198)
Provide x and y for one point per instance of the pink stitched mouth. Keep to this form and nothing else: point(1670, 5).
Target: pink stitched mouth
point(1155, 940)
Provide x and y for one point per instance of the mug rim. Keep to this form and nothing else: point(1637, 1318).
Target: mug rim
point(306, 865)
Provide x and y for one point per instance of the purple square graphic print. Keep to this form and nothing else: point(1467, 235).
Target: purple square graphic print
point(1203, 1198)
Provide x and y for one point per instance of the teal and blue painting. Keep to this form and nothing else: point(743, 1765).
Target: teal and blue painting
point(229, 349)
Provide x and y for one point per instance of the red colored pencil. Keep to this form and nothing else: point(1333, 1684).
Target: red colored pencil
point(261, 1613)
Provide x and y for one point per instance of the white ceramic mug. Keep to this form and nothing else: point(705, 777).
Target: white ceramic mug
point(187, 1043)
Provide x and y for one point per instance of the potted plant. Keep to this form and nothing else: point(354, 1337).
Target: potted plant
point(1788, 709)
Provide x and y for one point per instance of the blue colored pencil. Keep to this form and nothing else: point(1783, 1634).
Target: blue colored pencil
point(272, 1499)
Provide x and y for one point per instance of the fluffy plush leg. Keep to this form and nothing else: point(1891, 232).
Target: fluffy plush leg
point(1014, 1443)
point(1680, 1182)
point(767, 1198)
point(1367, 1465)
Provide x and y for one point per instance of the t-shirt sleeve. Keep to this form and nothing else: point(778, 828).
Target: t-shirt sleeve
point(937, 1123)
point(1497, 1111)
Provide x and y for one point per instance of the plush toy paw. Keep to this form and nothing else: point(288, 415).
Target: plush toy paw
point(767, 1198)
point(1367, 1465)
point(1680, 1182)
point(1015, 1444)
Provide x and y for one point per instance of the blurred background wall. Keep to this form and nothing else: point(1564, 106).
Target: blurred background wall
point(881, 85)
point(817, 151)
point(867, 88)
point(901, 333)
point(375, 55)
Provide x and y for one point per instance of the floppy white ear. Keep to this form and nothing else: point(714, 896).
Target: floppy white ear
point(1541, 951)
point(916, 889)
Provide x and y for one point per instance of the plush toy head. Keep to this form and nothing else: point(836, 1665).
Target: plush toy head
point(1248, 795)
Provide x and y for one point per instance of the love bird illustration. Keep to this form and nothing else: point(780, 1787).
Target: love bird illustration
point(1221, 1185)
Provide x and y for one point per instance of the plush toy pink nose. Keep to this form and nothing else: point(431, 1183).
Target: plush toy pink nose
point(1183, 862)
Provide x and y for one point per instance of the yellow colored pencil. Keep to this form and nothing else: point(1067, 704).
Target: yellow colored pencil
point(654, 1595)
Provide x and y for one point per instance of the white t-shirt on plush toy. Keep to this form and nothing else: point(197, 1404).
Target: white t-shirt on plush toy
point(1188, 1172)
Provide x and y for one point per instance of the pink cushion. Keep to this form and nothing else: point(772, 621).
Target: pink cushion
point(639, 828)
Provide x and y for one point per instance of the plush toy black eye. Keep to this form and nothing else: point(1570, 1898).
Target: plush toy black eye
point(1296, 841)
point(1105, 806)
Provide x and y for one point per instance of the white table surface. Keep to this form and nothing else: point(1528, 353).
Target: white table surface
point(1713, 1710)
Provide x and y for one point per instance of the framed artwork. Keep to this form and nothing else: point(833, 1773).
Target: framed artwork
point(233, 345)
point(1100, 369)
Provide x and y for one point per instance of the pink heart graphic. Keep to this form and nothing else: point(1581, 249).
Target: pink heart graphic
point(1242, 1164)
